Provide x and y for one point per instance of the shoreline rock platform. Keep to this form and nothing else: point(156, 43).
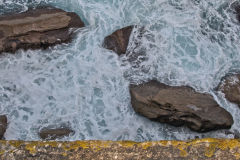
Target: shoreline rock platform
point(200, 149)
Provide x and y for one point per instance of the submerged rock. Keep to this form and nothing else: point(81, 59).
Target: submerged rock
point(118, 41)
point(179, 106)
point(52, 134)
point(37, 28)
point(3, 125)
point(230, 86)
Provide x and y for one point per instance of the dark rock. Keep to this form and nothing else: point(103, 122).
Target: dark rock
point(118, 41)
point(52, 134)
point(236, 8)
point(37, 28)
point(230, 86)
point(3, 125)
point(179, 106)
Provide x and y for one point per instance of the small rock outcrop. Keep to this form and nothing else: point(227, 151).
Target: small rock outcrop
point(52, 134)
point(230, 86)
point(118, 41)
point(179, 106)
point(37, 28)
point(3, 125)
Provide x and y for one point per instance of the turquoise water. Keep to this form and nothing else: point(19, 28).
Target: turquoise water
point(84, 86)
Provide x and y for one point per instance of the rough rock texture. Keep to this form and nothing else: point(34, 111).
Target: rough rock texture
point(38, 28)
point(230, 86)
point(52, 134)
point(205, 149)
point(179, 106)
point(118, 41)
point(3, 125)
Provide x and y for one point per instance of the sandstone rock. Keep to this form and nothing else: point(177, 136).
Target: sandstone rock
point(230, 86)
point(38, 28)
point(52, 134)
point(179, 106)
point(3, 125)
point(118, 41)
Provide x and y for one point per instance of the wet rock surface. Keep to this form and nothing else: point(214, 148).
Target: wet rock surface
point(37, 28)
point(118, 41)
point(54, 133)
point(230, 86)
point(179, 106)
point(3, 125)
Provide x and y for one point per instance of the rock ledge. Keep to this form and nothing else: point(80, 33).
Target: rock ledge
point(37, 28)
point(201, 149)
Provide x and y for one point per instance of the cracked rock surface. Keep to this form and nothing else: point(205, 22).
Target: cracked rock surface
point(178, 106)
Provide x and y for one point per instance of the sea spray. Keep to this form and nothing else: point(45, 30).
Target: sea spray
point(85, 86)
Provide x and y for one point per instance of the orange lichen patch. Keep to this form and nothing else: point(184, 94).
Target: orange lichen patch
point(31, 147)
point(146, 145)
point(15, 143)
point(181, 146)
point(98, 145)
point(163, 143)
point(229, 144)
point(209, 151)
point(127, 143)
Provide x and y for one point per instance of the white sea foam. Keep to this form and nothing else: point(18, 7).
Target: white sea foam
point(82, 85)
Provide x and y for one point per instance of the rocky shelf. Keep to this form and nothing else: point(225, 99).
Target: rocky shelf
point(38, 28)
point(201, 149)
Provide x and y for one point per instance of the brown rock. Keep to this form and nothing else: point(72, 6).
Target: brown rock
point(3, 125)
point(52, 134)
point(38, 28)
point(230, 86)
point(179, 106)
point(118, 41)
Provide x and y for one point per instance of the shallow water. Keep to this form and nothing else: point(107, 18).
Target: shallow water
point(82, 85)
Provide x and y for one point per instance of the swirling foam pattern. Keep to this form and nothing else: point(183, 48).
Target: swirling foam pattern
point(84, 86)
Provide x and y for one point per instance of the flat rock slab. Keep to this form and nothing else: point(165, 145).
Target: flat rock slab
point(179, 106)
point(204, 149)
point(37, 28)
point(230, 86)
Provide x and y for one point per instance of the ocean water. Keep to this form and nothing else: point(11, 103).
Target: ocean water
point(84, 86)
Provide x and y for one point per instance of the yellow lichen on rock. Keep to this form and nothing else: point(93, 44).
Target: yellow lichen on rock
point(195, 149)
